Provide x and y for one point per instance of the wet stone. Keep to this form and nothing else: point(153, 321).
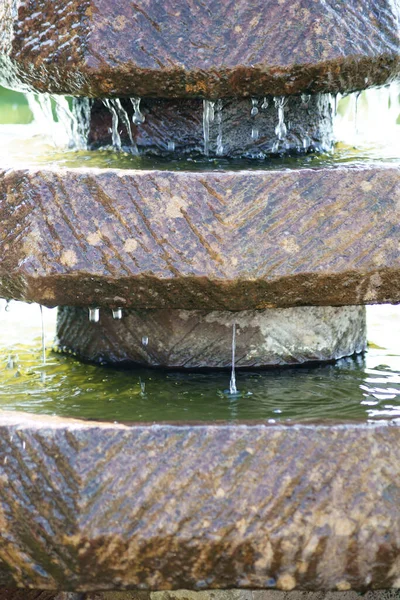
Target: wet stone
point(102, 48)
point(223, 128)
point(216, 240)
point(193, 339)
point(198, 507)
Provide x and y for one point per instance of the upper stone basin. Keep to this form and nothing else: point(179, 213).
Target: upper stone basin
point(189, 49)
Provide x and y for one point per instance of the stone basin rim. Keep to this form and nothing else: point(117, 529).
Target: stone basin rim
point(34, 421)
point(36, 169)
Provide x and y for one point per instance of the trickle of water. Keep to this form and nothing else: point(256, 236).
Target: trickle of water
point(142, 387)
point(218, 118)
point(145, 340)
point(254, 107)
point(254, 133)
point(358, 94)
point(281, 129)
point(94, 315)
point(305, 99)
point(117, 313)
point(116, 138)
point(123, 115)
point(208, 117)
point(232, 383)
point(82, 109)
point(10, 362)
point(171, 146)
point(72, 125)
point(7, 306)
point(43, 336)
point(264, 105)
point(138, 118)
point(306, 142)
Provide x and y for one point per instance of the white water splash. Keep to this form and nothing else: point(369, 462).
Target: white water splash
point(66, 122)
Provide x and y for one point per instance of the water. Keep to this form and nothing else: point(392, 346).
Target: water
point(138, 118)
point(208, 117)
point(361, 388)
point(218, 118)
point(115, 136)
point(232, 384)
point(94, 315)
point(366, 125)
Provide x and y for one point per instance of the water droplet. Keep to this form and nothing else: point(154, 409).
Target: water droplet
point(254, 109)
point(94, 315)
point(117, 313)
point(7, 306)
point(254, 133)
point(171, 146)
point(138, 118)
point(264, 105)
point(145, 340)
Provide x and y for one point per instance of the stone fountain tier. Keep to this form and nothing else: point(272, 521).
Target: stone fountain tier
point(105, 48)
point(195, 339)
point(234, 127)
point(239, 240)
point(97, 506)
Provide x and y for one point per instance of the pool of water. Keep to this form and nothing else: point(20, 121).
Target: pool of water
point(21, 146)
point(359, 388)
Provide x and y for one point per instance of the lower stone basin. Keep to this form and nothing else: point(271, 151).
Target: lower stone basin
point(96, 506)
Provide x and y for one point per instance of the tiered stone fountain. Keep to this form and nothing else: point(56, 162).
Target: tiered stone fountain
point(289, 256)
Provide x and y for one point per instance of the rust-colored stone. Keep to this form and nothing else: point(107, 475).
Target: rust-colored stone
point(190, 49)
point(238, 240)
point(96, 506)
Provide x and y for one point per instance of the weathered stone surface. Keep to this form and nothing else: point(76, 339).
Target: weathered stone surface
point(95, 506)
point(192, 595)
point(185, 48)
point(239, 240)
point(191, 339)
point(308, 121)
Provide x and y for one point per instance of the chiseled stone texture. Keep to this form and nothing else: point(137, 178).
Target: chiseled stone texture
point(192, 339)
point(184, 48)
point(100, 506)
point(233, 240)
point(308, 119)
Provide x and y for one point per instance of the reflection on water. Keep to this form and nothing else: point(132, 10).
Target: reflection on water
point(356, 388)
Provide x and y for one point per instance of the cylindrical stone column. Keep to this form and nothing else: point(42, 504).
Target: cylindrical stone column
point(244, 127)
point(196, 339)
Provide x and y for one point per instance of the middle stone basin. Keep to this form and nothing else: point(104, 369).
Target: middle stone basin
point(215, 240)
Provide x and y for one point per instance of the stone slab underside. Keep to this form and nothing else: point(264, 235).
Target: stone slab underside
point(192, 240)
point(190, 49)
point(86, 506)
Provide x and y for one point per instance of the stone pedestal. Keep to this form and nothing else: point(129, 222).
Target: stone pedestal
point(252, 128)
point(195, 339)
